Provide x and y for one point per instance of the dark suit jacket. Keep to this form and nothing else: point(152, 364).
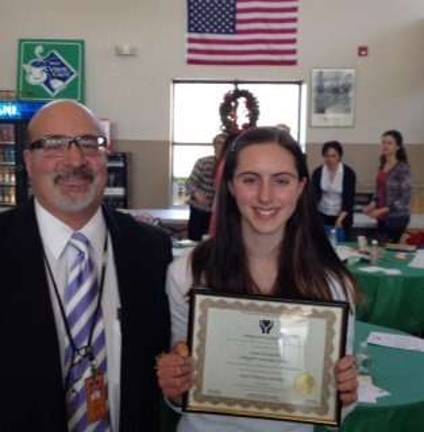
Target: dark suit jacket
point(348, 191)
point(31, 384)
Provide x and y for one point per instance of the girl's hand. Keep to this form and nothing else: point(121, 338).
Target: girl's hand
point(379, 213)
point(174, 371)
point(369, 208)
point(347, 380)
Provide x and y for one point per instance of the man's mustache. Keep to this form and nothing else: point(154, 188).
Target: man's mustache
point(79, 173)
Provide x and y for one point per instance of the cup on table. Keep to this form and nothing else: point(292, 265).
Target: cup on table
point(362, 243)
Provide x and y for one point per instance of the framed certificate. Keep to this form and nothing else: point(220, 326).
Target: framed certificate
point(265, 358)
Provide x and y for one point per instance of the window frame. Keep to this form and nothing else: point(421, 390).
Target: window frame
point(301, 117)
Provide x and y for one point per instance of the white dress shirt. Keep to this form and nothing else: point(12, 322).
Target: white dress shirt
point(55, 236)
point(332, 189)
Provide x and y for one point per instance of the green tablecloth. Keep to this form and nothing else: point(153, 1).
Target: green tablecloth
point(394, 301)
point(401, 373)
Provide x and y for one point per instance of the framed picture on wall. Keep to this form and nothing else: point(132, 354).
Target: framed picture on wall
point(333, 97)
point(50, 69)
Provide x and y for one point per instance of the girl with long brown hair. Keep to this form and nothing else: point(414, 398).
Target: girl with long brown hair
point(269, 242)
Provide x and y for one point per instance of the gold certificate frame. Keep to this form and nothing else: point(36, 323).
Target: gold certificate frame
point(265, 358)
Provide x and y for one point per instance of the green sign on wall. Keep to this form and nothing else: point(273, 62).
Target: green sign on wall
point(50, 69)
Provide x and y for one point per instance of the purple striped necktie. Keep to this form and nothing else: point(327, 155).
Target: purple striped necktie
point(81, 298)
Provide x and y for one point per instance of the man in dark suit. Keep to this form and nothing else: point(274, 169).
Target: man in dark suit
point(128, 313)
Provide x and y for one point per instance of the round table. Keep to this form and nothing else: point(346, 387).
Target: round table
point(394, 301)
point(400, 372)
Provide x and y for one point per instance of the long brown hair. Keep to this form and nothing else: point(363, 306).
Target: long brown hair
point(401, 155)
point(307, 261)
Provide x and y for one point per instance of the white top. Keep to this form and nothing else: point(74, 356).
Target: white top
point(179, 282)
point(55, 236)
point(331, 191)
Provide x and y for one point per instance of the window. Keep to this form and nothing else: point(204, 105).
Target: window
point(196, 119)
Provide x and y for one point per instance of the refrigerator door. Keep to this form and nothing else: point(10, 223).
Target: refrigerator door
point(116, 193)
point(8, 172)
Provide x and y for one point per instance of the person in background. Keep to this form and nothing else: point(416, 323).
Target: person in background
point(268, 244)
point(283, 127)
point(334, 184)
point(200, 187)
point(83, 306)
point(391, 203)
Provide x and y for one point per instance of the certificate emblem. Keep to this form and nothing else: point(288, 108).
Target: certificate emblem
point(266, 326)
point(265, 358)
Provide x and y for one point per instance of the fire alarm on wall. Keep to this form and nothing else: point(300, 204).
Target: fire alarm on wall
point(363, 51)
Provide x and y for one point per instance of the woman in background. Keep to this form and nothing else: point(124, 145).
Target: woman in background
point(200, 187)
point(334, 184)
point(267, 244)
point(391, 203)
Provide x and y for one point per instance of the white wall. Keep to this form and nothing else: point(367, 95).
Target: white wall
point(135, 91)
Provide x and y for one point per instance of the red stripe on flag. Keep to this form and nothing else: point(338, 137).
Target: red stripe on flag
point(293, 9)
point(267, 31)
point(241, 52)
point(266, 20)
point(243, 62)
point(230, 41)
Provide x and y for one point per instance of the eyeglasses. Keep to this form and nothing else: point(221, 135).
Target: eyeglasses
point(55, 145)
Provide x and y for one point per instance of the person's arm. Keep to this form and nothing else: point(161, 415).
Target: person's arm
point(200, 197)
point(316, 183)
point(348, 195)
point(340, 219)
point(378, 213)
point(369, 208)
point(174, 369)
point(372, 211)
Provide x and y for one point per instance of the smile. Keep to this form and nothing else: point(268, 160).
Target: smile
point(74, 180)
point(262, 212)
point(74, 184)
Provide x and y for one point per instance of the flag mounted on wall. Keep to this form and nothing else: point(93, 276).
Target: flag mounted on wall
point(242, 32)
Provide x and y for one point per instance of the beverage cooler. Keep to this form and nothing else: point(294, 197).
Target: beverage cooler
point(14, 118)
point(116, 193)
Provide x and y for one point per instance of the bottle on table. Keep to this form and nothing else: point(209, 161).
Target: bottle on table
point(362, 243)
point(374, 252)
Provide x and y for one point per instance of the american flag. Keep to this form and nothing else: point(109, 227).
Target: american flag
point(242, 32)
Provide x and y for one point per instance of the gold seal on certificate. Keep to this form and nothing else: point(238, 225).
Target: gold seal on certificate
point(304, 384)
point(265, 358)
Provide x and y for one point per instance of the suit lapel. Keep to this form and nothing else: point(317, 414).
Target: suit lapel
point(35, 284)
point(124, 270)
point(123, 257)
point(129, 267)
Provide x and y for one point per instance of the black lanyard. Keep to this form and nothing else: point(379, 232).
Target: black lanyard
point(85, 351)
